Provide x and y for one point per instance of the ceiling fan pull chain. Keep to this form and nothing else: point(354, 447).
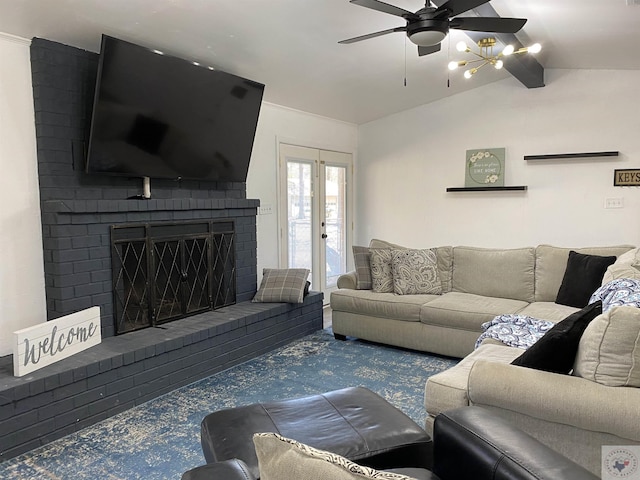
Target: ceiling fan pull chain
point(405, 61)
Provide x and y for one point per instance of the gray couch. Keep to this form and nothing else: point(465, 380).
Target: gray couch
point(599, 404)
point(477, 285)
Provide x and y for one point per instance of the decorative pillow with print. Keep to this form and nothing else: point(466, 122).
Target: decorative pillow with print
point(381, 273)
point(415, 272)
point(280, 458)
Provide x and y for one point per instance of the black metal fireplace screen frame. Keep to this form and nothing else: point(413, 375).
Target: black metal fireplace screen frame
point(166, 271)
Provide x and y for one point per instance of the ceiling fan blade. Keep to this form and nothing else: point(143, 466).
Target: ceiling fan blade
point(488, 24)
point(373, 35)
point(386, 8)
point(427, 50)
point(456, 7)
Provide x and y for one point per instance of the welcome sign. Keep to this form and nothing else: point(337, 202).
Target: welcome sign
point(44, 344)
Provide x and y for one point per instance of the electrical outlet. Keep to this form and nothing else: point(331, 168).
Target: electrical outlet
point(614, 202)
point(265, 210)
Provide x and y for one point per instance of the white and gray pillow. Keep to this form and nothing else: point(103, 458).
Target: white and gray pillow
point(415, 272)
point(282, 285)
point(381, 273)
point(280, 458)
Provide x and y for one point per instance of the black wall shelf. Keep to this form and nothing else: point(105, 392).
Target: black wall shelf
point(487, 189)
point(571, 155)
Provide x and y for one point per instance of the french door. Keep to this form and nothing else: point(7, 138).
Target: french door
point(314, 209)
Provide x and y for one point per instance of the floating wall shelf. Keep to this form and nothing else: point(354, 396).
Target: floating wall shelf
point(571, 155)
point(486, 189)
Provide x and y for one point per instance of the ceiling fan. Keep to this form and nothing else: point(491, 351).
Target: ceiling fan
point(429, 26)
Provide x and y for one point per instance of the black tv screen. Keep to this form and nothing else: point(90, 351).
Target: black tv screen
point(160, 116)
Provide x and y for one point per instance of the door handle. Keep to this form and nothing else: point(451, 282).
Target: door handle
point(324, 235)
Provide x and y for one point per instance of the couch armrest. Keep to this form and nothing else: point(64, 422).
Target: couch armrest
point(556, 398)
point(228, 470)
point(473, 443)
point(348, 280)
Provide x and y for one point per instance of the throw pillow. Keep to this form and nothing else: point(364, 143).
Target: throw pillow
point(556, 350)
point(282, 285)
point(609, 350)
point(415, 272)
point(381, 273)
point(362, 262)
point(581, 278)
point(280, 458)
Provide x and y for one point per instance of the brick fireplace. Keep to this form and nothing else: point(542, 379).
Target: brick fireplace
point(80, 213)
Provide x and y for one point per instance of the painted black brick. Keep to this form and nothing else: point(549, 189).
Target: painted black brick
point(77, 209)
point(128, 370)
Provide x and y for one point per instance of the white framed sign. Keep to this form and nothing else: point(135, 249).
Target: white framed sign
point(41, 345)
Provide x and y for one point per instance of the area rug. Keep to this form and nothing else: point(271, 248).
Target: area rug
point(161, 438)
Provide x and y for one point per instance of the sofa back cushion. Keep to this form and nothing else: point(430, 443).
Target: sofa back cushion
point(609, 349)
point(503, 273)
point(551, 263)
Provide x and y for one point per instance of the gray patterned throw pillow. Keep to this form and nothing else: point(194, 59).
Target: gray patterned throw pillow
point(415, 272)
point(381, 275)
point(362, 261)
point(282, 285)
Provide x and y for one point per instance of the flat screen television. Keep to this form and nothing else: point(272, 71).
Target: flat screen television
point(160, 116)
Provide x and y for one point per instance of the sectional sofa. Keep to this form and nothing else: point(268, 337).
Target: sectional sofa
point(597, 404)
point(477, 284)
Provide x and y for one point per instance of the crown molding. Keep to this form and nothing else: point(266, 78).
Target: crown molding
point(6, 37)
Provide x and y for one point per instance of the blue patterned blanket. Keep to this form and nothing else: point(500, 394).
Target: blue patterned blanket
point(522, 331)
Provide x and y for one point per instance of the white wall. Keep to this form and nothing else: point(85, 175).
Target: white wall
point(406, 162)
point(280, 124)
point(22, 298)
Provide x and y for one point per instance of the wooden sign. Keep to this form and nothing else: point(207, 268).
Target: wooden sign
point(485, 167)
point(626, 178)
point(46, 343)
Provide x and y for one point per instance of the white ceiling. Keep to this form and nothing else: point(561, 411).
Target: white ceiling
point(292, 45)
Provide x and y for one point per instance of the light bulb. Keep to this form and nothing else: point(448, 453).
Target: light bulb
point(461, 47)
point(453, 65)
point(535, 48)
point(499, 64)
point(470, 72)
point(508, 50)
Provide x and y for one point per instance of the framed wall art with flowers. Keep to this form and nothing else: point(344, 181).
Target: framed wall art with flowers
point(484, 167)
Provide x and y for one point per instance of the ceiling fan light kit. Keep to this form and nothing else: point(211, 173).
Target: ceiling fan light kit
point(486, 56)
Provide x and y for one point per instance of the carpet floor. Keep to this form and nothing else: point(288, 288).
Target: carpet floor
point(161, 438)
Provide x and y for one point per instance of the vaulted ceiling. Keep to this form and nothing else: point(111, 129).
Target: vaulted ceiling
point(292, 45)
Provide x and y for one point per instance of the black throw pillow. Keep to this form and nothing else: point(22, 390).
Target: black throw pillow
point(556, 350)
point(582, 277)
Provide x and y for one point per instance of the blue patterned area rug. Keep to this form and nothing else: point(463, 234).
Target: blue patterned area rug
point(161, 438)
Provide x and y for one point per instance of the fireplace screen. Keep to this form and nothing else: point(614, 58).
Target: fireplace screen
point(162, 272)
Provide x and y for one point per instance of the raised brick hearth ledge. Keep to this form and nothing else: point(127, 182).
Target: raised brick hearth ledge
point(127, 370)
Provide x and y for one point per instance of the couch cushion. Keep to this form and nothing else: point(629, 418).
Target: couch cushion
point(548, 311)
point(556, 350)
point(626, 266)
point(609, 350)
point(582, 277)
point(281, 458)
point(551, 263)
point(466, 311)
point(445, 260)
point(447, 390)
point(385, 305)
point(415, 272)
point(362, 263)
point(502, 273)
point(381, 273)
point(282, 285)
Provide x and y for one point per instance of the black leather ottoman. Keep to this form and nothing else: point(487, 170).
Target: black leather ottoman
point(353, 422)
